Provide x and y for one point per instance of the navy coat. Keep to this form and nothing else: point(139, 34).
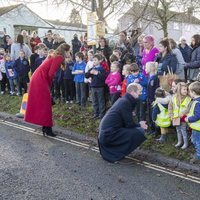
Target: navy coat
point(119, 135)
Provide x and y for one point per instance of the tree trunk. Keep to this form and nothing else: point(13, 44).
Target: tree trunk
point(165, 31)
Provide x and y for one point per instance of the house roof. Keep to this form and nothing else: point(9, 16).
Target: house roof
point(68, 24)
point(179, 16)
point(4, 10)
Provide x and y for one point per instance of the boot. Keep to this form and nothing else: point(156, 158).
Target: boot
point(185, 140)
point(162, 138)
point(180, 140)
point(48, 131)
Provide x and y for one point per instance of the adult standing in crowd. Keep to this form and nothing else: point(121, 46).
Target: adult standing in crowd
point(35, 40)
point(186, 51)
point(124, 44)
point(105, 49)
point(26, 38)
point(39, 105)
point(7, 43)
point(48, 40)
point(76, 45)
point(119, 135)
point(20, 45)
point(194, 64)
point(166, 59)
point(149, 52)
point(180, 65)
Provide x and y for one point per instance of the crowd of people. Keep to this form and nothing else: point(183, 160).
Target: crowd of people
point(103, 78)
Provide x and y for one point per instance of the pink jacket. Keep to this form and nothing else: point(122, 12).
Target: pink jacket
point(114, 82)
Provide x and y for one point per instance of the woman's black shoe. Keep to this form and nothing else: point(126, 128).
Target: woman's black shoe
point(48, 131)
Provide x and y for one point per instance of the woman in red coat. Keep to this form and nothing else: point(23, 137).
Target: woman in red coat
point(39, 104)
point(34, 41)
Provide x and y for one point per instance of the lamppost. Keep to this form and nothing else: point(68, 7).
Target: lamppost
point(93, 10)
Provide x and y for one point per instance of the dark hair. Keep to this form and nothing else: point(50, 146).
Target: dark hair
point(20, 39)
point(98, 56)
point(91, 51)
point(160, 93)
point(80, 55)
point(102, 38)
point(113, 58)
point(165, 43)
point(62, 49)
point(135, 67)
point(196, 40)
point(36, 47)
point(129, 57)
point(124, 32)
point(5, 36)
point(173, 44)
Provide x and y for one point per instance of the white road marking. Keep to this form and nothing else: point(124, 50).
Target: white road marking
point(96, 149)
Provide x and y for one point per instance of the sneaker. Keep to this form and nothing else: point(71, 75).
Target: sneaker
point(71, 102)
point(2, 92)
point(67, 101)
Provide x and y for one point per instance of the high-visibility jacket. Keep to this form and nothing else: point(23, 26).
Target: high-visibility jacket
point(194, 125)
point(180, 109)
point(163, 119)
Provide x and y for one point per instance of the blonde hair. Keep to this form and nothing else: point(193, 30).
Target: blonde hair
point(153, 66)
point(195, 87)
point(133, 87)
point(128, 68)
point(178, 90)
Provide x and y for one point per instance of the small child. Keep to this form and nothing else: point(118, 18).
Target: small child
point(126, 73)
point(152, 84)
point(89, 64)
point(33, 58)
point(137, 77)
point(114, 82)
point(177, 112)
point(79, 71)
point(193, 119)
point(68, 80)
point(22, 68)
point(40, 58)
point(160, 113)
point(98, 76)
point(10, 73)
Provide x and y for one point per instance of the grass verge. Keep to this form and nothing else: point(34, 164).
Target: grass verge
point(73, 118)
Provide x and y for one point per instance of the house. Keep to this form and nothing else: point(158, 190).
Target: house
point(181, 24)
point(19, 17)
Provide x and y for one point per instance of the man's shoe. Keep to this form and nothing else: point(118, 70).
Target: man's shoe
point(124, 161)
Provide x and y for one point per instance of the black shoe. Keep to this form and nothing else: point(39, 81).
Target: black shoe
point(124, 161)
point(48, 131)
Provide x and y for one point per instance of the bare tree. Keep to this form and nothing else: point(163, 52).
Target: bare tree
point(75, 17)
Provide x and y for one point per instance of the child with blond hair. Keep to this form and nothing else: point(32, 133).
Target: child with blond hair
point(177, 112)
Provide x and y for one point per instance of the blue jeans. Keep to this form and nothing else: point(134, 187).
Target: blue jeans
point(196, 141)
point(12, 84)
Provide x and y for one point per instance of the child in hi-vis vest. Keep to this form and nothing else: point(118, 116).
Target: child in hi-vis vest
point(160, 112)
point(177, 111)
point(193, 119)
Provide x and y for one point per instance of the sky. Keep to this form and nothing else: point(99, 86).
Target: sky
point(48, 11)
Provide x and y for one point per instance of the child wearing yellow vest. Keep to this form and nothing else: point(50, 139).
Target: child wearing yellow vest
point(177, 112)
point(193, 119)
point(160, 112)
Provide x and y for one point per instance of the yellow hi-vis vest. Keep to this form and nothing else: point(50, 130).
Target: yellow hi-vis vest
point(194, 125)
point(177, 110)
point(163, 119)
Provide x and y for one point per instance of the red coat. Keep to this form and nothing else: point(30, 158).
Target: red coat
point(39, 104)
point(34, 42)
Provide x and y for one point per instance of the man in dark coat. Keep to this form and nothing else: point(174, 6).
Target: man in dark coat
point(76, 45)
point(119, 135)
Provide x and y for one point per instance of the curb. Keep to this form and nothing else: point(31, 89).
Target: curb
point(142, 155)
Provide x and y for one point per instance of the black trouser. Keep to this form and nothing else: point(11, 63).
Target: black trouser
point(80, 93)
point(69, 87)
point(59, 89)
point(22, 83)
point(141, 110)
point(114, 97)
point(4, 82)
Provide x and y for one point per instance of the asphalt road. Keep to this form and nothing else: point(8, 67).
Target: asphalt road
point(34, 167)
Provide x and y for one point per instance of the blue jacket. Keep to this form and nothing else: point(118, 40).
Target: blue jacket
point(10, 71)
point(79, 77)
point(152, 85)
point(68, 71)
point(186, 52)
point(142, 81)
point(169, 60)
point(22, 67)
point(38, 62)
point(99, 79)
point(196, 116)
point(58, 76)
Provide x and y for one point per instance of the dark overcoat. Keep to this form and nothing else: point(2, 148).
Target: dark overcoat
point(119, 135)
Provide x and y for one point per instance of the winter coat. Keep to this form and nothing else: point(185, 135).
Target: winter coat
point(22, 67)
point(10, 71)
point(107, 52)
point(16, 47)
point(38, 62)
point(169, 60)
point(180, 65)
point(186, 52)
point(119, 135)
point(39, 104)
point(68, 71)
point(76, 45)
point(194, 64)
point(34, 42)
point(114, 82)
